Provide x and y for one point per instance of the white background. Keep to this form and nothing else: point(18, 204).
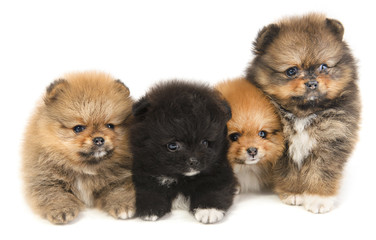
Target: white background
point(143, 42)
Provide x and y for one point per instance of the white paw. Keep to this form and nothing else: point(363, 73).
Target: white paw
point(150, 218)
point(318, 204)
point(295, 200)
point(126, 214)
point(209, 215)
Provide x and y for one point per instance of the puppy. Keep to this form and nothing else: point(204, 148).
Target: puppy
point(304, 65)
point(179, 142)
point(76, 152)
point(255, 133)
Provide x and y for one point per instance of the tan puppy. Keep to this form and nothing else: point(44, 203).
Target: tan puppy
point(255, 133)
point(75, 151)
point(304, 65)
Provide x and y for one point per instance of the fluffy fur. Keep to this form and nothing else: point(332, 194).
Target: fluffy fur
point(179, 142)
point(304, 65)
point(255, 133)
point(75, 151)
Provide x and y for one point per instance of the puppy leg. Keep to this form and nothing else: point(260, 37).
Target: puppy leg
point(152, 199)
point(210, 205)
point(119, 201)
point(152, 205)
point(54, 202)
point(322, 184)
point(314, 186)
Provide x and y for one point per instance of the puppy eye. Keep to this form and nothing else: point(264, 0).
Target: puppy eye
point(205, 143)
point(262, 134)
point(292, 71)
point(78, 128)
point(323, 67)
point(173, 146)
point(234, 136)
point(110, 126)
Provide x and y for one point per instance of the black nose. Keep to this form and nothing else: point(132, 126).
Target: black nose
point(193, 162)
point(252, 151)
point(99, 141)
point(312, 84)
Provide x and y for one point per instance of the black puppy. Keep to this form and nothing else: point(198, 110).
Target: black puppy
point(179, 142)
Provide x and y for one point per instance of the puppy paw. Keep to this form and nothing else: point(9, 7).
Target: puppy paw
point(293, 199)
point(318, 204)
point(62, 215)
point(122, 212)
point(150, 218)
point(209, 215)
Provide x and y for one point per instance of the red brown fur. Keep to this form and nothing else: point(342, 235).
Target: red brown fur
point(252, 112)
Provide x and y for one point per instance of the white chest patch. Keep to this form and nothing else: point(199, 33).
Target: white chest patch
point(248, 177)
point(84, 193)
point(301, 143)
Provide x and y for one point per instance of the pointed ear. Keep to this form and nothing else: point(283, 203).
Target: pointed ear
point(336, 28)
point(122, 86)
point(54, 90)
point(140, 107)
point(264, 38)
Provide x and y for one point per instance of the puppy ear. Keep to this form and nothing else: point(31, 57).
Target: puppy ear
point(122, 86)
point(225, 106)
point(54, 90)
point(336, 28)
point(140, 107)
point(264, 38)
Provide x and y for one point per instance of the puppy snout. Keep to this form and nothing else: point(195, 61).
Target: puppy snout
point(193, 162)
point(98, 141)
point(311, 84)
point(252, 151)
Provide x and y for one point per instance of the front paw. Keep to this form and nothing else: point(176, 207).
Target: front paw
point(318, 204)
point(292, 199)
point(122, 212)
point(150, 218)
point(208, 215)
point(62, 215)
point(152, 214)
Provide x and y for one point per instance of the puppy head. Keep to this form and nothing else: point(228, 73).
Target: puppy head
point(86, 116)
point(302, 62)
point(255, 130)
point(182, 128)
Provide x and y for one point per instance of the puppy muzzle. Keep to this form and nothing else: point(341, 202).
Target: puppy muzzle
point(311, 84)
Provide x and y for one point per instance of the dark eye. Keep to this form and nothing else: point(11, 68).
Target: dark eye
point(78, 128)
point(323, 67)
point(292, 71)
point(110, 126)
point(262, 134)
point(205, 143)
point(173, 146)
point(234, 136)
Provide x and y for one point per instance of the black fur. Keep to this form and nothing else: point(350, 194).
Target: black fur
point(188, 114)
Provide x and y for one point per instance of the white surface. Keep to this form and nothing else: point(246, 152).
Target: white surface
point(147, 41)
